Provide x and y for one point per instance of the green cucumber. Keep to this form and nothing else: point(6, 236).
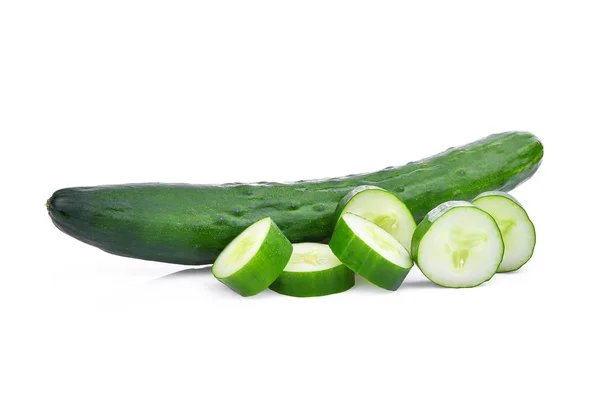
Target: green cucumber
point(383, 209)
point(313, 270)
point(458, 245)
point(254, 259)
point(191, 224)
point(370, 251)
point(517, 229)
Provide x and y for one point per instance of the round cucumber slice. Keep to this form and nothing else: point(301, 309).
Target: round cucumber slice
point(313, 270)
point(517, 229)
point(458, 245)
point(382, 208)
point(370, 251)
point(254, 259)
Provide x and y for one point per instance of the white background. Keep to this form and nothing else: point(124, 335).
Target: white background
point(219, 91)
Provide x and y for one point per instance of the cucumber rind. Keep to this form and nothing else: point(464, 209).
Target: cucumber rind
point(315, 283)
point(405, 233)
point(504, 195)
point(321, 275)
point(425, 225)
point(361, 258)
point(263, 268)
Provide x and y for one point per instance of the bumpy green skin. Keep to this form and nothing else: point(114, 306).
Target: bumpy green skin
point(428, 221)
point(360, 258)
point(191, 224)
point(262, 269)
point(314, 283)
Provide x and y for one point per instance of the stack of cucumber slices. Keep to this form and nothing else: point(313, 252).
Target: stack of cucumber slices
point(457, 245)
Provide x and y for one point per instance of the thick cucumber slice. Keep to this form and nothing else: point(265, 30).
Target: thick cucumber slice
point(254, 259)
point(383, 209)
point(517, 229)
point(313, 270)
point(370, 251)
point(458, 245)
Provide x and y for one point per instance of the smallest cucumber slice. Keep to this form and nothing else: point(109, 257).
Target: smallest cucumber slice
point(382, 208)
point(370, 251)
point(313, 270)
point(254, 259)
point(517, 229)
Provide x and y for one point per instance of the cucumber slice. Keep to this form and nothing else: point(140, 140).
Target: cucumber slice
point(517, 229)
point(313, 270)
point(383, 209)
point(370, 251)
point(458, 245)
point(254, 259)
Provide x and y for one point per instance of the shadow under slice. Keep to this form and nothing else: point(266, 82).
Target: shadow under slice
point(187, 273)
point(422, 284)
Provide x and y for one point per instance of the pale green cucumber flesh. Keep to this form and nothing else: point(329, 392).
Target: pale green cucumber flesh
point(254, 259)
point(458, 245)
point(370, 251)
point(382, 208)
point(518, 232)
point(313, 270)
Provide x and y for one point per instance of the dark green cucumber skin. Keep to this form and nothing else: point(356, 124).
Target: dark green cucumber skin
point(315, 283)
point(191, 224)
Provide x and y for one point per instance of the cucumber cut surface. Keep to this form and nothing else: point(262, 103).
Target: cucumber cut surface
point(370, 251)
point(254, 259)
point(313, 270)
point(518, 232)
point(382, 208)
point(458, 245)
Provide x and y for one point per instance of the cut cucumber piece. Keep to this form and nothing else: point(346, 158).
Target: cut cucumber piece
point(458, 245)
point(254, 259)
point(313, 270)
point(517, 229)
point(370, 251)
point(382, 208)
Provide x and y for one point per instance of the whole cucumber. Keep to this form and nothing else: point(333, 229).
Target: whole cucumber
point(191, 224)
